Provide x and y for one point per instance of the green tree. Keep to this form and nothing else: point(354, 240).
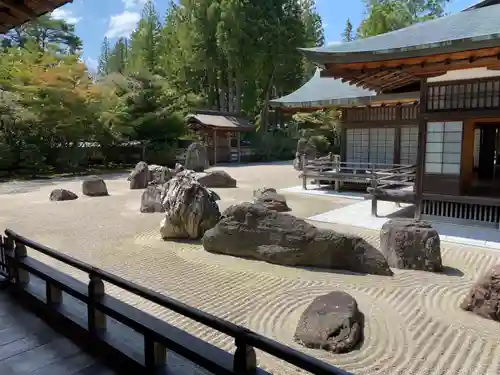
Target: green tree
point(45, 32)
point(103, 67)
point(348, 34)
point(388, 15)
point(118, 57)
point(144, 41)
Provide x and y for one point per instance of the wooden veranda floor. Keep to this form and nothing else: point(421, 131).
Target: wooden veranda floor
point(28, 346)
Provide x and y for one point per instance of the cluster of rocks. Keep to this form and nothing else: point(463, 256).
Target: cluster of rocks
point(92, 186)
point(332, 322)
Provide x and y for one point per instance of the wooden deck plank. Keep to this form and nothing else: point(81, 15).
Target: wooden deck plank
point(28, 346)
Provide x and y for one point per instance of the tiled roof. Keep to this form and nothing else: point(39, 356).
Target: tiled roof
point(220, 120)
point(322, 92)
point(479, 23)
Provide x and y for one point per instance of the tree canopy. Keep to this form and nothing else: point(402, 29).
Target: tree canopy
point(226, 55)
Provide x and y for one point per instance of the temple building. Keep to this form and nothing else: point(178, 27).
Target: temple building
point(454, 64)
point(378, 129)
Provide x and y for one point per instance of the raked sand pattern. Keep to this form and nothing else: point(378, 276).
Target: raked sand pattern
point(413, 321)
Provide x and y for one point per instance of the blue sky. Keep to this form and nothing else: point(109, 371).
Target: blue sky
point(115, 18)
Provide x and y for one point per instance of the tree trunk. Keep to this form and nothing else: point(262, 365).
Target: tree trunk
point(238, 90)
point(264, 118)
point(230, 90)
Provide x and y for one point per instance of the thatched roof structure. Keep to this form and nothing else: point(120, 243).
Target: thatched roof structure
point(215, 120)
point(14, 13)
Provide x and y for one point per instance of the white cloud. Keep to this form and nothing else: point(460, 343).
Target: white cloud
point(121, 25)
point(66, 15)
point(325, 25)
point(131, 4)
point(333, 42)
point(92, 64)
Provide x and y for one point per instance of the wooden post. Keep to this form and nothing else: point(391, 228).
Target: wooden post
point(155, 354)
point(422, 134)
point(53, 295)
point(303, 162)
point(8, 253)
point(239, 146)
point(96, 318)
point(215, 146)
point(22, 277)
point(373, 184)
point(245, 359)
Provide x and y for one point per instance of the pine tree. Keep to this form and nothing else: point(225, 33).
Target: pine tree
point(144, 42)
point(348, 35)
point(103, 68)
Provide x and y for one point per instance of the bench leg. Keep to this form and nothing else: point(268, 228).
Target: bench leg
point(304, 182)
point(374, 206)
point(337, 185)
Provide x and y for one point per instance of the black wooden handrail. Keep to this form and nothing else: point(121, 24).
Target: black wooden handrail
point(241, 334)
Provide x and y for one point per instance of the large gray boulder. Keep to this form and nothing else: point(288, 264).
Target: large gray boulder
point(190, 208)
point(252, 231)
point(216, 179)
point(269, 198)
point(411, 244)
point(151, 199)
point(62, 195)
point(94, 186)
point(484, 297)
point(196, 157)
point(158, 174)
point(139, 177)
point(332, 322)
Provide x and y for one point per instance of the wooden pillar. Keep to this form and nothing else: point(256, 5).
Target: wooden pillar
point(397, 145)
point(238, 137)
point(215, 146)
point(422, 134)
point(467, 157)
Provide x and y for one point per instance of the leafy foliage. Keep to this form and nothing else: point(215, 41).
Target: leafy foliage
point(388, 15)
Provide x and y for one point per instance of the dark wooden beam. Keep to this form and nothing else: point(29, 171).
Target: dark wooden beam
point(427, 68)
point(19, 8)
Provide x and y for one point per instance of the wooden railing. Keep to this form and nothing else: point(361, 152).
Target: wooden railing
point(94, 330)
point(382, 181)
point(375, 174)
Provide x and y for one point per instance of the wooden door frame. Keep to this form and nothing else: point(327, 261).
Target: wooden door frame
point(467, 155)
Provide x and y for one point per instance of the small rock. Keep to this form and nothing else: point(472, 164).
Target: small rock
point(216, 179)
point(151, 200)
point(197, 157)
point(411, 244)
point(331, 322)
point(94, 187)
point(62, 195)
point(178, 168)
point(484, 297)
point(139, 177)
point(269, 198)
point(265, 190)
